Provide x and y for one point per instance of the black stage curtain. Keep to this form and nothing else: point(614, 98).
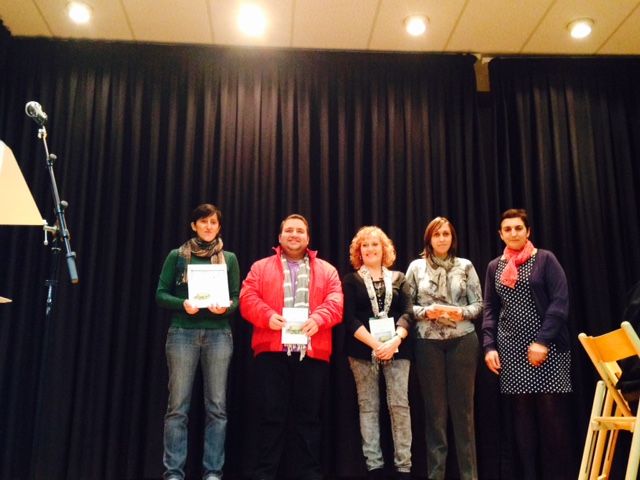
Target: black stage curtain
point(567, 149)
point(145, 132)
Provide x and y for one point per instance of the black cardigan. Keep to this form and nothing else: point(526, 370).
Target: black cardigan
point(358, 311)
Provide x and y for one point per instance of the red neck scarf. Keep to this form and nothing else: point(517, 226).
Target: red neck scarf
point(515, 258)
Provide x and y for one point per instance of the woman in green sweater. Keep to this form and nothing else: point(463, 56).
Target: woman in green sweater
point(197, 336)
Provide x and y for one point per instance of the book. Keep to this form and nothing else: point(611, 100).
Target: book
point(292, 332)
point(382, 328)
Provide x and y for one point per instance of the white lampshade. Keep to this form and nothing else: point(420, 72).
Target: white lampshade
point(17, 206)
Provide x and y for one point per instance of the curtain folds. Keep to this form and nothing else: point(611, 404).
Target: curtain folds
point(143, 133)
point(567, 149)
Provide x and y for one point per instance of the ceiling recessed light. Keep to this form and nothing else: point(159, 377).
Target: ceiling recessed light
point(252, 20)
point(79, 12)
point(416, 24)
point(580, 28)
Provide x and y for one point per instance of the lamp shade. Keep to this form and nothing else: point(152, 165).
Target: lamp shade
point(17, 206)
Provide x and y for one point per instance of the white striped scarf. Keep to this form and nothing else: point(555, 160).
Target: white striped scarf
point(299, 299)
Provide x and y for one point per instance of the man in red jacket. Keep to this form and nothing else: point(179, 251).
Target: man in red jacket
point(293, 299)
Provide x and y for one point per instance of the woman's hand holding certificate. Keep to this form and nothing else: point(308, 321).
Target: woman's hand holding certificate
point(217, 309)
point(192, 309)
point(189, 307)
point(445, 314)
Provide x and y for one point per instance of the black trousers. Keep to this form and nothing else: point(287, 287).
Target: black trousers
point(543, 435)
point(289, 396)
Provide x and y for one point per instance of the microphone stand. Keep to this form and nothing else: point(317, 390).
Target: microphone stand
point(60, 234)
point(52, 282)
point(61, 223)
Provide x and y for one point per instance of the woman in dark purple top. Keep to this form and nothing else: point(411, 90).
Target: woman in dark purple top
point(526, 343)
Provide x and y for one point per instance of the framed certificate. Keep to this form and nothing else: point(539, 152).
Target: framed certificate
point(208, 285)
point(382, 328)
point(292, 332)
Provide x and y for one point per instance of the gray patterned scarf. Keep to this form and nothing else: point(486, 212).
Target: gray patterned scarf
point(440, 270)
point(301, 297)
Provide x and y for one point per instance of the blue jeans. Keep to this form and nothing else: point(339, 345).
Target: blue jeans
point(186, 349)
point(396, 375)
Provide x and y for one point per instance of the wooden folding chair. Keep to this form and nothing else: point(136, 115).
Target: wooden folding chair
point(610, 412)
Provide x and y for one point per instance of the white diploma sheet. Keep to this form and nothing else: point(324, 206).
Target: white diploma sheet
point(208, 285)
point(292, 332)
point(382, 328)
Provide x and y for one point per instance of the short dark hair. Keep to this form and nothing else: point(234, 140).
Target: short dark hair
point(205, 210)
point(298, 217)
point(520, 213)
point(432, 227)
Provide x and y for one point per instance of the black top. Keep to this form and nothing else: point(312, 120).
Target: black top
point(358, 311)
point(632, 310)
point(629, 382)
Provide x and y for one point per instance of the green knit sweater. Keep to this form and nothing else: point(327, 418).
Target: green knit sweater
point(171, 296)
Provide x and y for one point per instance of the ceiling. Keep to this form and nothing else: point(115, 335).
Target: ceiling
point(486, 27)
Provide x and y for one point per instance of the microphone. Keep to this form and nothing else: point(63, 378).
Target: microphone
point(34, 110)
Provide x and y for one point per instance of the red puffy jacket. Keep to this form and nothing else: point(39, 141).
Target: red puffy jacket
point(262, 295)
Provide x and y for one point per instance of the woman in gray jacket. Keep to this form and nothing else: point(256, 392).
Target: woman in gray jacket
point(447, 299)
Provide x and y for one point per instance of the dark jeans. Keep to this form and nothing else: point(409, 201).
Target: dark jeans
point(541, 425)
point(289, 394)
point(447, 374)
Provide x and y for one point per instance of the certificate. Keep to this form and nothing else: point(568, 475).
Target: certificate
point(447, 316)
point(295, 318)
point(382, 328)
point(208, 285)
point(446, 309)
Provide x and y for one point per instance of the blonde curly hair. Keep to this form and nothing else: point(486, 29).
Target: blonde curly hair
point(388, 250)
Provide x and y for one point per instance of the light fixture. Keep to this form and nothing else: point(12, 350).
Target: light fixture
point(252, 20)
point(79, 12)
point(416, 25)
point(580, 28)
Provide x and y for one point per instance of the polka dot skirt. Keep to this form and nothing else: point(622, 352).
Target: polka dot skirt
point(518, 326)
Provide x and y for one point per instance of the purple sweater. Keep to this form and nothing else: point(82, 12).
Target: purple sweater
point(550, 292)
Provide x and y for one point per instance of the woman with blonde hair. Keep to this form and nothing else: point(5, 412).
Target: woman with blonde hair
point(378, 317)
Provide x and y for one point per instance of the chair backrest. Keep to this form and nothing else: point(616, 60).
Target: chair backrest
point(606, 350)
